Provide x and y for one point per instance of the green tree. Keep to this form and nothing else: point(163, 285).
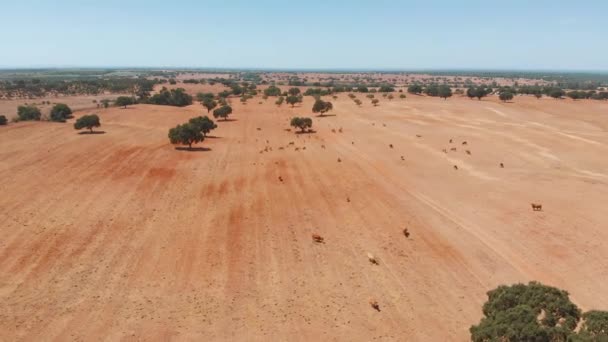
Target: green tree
point(532, 312)
point(272, 91)
point(594, 327)
point(322, 107)
point(105, 103)
point(3, 120)
point(556, 93)
point(60, 113)
point(124, 101)
point(362, 89)
point(203, 124)
point(209, 104)
point(185, 134)
point(279, 101)
point(444, 91)
point(174, 97)
point(358, 102)
point(402, 96)
point(292, 100)
point(375, 102)
point(414, 89)
point(301, 123)
point(202, 97)
point(28, 113)
point(505, 96)
point(88, 122)
point(294, 91)
point(222, 112)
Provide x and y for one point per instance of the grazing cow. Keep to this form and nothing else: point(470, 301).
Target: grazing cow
point(333, 130)
point(340, 130)
point(402, 158)
point(339, 160)
point(453, 149)
point(352, 142)
point(322, 146)
point(406, 233)
point(280, 178)
point(536, 206)
point(390, 145)
point(318, 238)
point(455, 167)
point(374, 304)
point(348, 199)
point(464, 142)
point(418, 136)
point(445, 151)
point(468, 152)
point(502, 165)
point(450, 141)
point(372, 259)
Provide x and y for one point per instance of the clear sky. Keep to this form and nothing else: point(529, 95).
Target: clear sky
point(315, 34)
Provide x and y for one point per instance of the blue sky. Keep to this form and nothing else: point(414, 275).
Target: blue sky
point(312, 34)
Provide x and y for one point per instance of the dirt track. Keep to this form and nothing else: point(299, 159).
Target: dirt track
point(119, 236)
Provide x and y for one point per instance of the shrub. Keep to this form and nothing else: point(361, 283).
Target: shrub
point(375, 102)
point(444, 92)
point(60, 113)
point(28, 113)
point(386, 89)
point(3, 120)
point(279, 101)
point(292, 100)
point(414, 89)
point(402, 96)
point(88, 122)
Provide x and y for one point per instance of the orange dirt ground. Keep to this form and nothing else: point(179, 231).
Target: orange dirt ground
point(120, 236)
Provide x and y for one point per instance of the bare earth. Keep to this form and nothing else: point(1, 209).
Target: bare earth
point(119, 236)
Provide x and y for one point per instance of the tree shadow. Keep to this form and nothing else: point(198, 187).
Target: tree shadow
point(324, 115)
point(193, 149)
point(212, 137)
point(227, 120)
point(94, 132)
point(306, 132)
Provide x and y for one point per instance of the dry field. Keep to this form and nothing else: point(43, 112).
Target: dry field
point(119, 236)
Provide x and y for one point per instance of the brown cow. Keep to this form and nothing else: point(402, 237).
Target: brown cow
point(374, 304)
point(406, 233)
point(536, 206)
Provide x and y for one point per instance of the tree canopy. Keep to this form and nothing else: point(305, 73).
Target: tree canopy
point(293, 99)
point(185, 134)
point(536, 312)
point(444, 91)
point(3, 120)
point(414, 89)
point(124, 101)
point(505, 96)
point(301, 123)
point(209, 104)
point(203, 124)
point(88, 122)
point(174, 97)
point(272, 91)
point(222, 112)
point(60, 112)
point(322, 107)
point(28, 113)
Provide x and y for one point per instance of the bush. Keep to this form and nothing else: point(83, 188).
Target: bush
point(375, 102)
point(301, 123)
point(3, 120)
point(88, 122)
point(292, 100)
point(60, 113)
point(386, 89)
point(279, 101)
point(28, 113)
